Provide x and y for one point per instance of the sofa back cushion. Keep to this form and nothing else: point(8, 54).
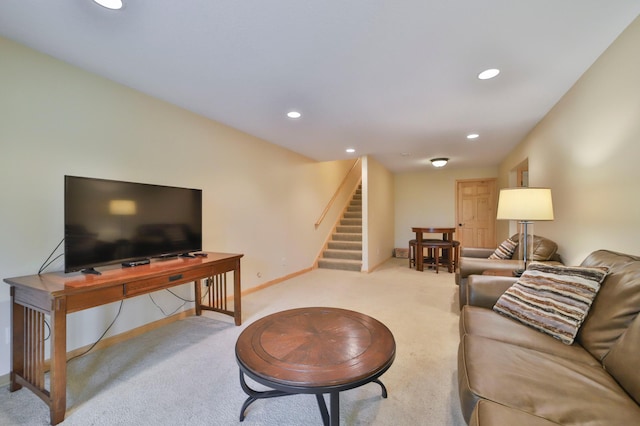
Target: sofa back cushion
point(616, 305)
point(622, 360)
point(543, 248)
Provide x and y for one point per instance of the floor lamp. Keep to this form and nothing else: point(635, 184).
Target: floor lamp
point(525, 205)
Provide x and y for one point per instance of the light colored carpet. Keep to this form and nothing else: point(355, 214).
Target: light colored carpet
point(186, 373)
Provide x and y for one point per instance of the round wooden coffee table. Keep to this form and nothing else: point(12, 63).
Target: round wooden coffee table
point(316, 351)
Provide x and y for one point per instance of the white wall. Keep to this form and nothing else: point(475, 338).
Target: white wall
point(378, 214)
point(55, 119)
point(587, 150)
point(428, 199)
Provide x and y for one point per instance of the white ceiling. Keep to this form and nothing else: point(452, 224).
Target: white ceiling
point(394, 79)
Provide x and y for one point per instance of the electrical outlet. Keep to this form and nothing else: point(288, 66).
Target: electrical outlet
point(207, 283)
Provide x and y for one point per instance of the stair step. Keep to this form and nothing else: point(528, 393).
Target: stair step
point(348, 221)
point(349, 229)
point(345, 245)
point(345, 265)
point(343, 254)
point(353, 215)
point(338, 236)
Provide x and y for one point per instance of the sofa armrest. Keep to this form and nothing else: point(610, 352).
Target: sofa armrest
point(484, 290)
point(479, 252)
point(476, 266)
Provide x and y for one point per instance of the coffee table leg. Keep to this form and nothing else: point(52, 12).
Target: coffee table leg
point(384, 389)
point(335, 409)
point(254, 395)
point(323, 409)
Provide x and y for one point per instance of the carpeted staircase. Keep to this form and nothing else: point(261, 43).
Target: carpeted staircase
point(344, 251)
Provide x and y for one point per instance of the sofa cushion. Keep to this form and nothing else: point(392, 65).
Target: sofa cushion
point(622, 361)
point(505, 250)
point(544, 385)
point(552, 299)
point(617, 304)
point(486, 323)
point(543, 249)
point(490, 413)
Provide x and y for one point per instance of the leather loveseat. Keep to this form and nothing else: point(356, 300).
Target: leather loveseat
point(474, 260)
point(510, 373)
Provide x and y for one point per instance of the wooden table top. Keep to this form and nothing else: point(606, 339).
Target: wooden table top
point(311, 348)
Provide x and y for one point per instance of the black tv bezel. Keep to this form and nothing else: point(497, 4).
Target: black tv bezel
point(168, 254)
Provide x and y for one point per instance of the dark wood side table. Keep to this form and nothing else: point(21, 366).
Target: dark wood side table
point(315, 351)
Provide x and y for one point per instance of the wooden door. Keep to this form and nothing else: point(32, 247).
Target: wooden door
point(476, 206)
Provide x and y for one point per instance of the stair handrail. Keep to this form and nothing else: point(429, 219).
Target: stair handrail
point(335, 195)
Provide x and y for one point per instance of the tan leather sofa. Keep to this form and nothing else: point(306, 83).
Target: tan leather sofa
point(509, 373)
point(474, 261)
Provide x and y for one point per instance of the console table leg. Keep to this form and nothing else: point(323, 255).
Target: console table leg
point(58, 369)
point(237, 302)
point(17, 342)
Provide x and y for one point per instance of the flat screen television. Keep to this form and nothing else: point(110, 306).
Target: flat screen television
point(108, 222)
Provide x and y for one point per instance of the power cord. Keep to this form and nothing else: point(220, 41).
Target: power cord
point(178, 297)
point(162, 310)
point(45, 265)
point(103, 334)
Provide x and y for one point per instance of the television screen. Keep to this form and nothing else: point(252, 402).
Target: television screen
point(107, 221)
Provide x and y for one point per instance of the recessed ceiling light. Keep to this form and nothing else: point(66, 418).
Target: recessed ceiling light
point(110, 4)
point(487, 74)
point(294, 114)
point(350, 150)
point(473, 136)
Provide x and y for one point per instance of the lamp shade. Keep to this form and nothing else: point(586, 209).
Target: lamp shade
point(526, 204)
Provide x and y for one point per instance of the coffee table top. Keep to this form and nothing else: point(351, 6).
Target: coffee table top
point(310, 349)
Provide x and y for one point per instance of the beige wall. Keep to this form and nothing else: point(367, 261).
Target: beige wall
point(428, 198)
point(587, 149)
point(55, 119)
point(378, 214)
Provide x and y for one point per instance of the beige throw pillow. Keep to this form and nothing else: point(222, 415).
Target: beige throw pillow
point(505, 250)
point(552, 299)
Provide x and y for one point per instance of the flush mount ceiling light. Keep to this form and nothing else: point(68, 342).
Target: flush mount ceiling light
point(439, 162)
point(487, 74)
point(294, 114)
point(473, 136)
point(110, 4)
point(350, 150)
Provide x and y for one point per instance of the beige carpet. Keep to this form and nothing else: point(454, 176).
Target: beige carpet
point(186, 374)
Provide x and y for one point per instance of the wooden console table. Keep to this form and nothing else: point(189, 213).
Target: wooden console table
point(57, 294)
